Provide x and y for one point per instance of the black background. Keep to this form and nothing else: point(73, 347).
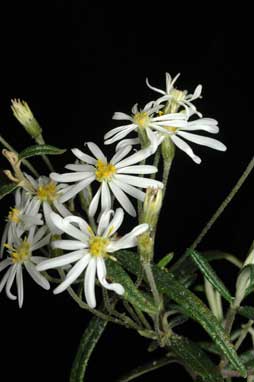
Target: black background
point(76, 64)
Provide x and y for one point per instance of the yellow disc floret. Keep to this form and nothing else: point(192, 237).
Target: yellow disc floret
point(13, 215)
point(171, 129)
point(21, 253)
point(98, 246)
point(104, 171)
point(47, 192)
point(141, 119)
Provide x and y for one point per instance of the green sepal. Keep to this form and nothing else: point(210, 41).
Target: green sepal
point(131, 294)
point(40, 150)
point(210, 274)
point(87, 344)
point(194, 359)
point(6, 189)
point(190, 304)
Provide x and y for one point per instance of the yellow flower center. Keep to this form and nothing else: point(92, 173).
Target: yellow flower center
point(47, 192)
point(104, 171)
point(98, 246)
point(21, 253)
point(141, 119)
point(13, 215)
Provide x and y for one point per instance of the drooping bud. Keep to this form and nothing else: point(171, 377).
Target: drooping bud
point(24, 115)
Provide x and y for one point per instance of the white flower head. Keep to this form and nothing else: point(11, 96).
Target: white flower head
point(89, 250)
point(21, 217)
point(20, 254)
point(175, 125)
point(177, 98)
point(47, 194)
point(114, 177)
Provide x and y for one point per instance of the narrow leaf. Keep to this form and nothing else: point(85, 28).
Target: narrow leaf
point(194, 359)
point(192, 306)
point(165, 260)
point(87, 344)
point(40, 150)
point(210, 274)
point(131, 294)
point(247, 312)
point(6, 189)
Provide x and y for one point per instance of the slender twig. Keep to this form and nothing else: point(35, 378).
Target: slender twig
point(224, 204)
point(40, 141)
point(24, 161)
point(243, 334)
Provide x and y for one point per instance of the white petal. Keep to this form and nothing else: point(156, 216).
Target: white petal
point(61, 208)
point(90, 283)
point(76, 189)
point(204, 141)
point(115, 223)
point(127, 142)
point(68, 244)
point(47, 215)
point(129, 240)
point(153, 88)
point(80, 167)
point(83, 226)
point(105, 197)
point(65, 226)
point(70, 176)
point(118, 129)
point(40, 233)
point(94, 203)
point(4, 237)
point(138, 169)
point(96, 151)
point(36, 276)
point(133, 191)
point(170, 117)
point(103, 222)
point(4, 264)
point(12, 274)
point(202, 125)
point(186, 148)
point(122, 199)
point(121, 116)
point(120, 154)
point(120, 135)
point(83, 157)
point(60, 261)
point(37, 259)
point(20, 285)
point(139, 181)
point(101, 272)
point(4, 279)
point(17, 198)
point(41, 243)
point(75, 273)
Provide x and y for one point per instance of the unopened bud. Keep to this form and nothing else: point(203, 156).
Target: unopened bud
point(145, 246)
point(24, 115)
point(152, 206)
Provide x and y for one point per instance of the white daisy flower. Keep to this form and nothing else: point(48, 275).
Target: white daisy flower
point(115, 177)
point(176, 97)
point(174, 125)
point(89, 250)
point(21, 217)
point(20, 254)
point(47, 194)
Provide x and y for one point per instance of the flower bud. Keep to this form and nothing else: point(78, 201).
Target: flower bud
point(167, 149)
point(145, 246)
point(152, 206)
point(24, 115)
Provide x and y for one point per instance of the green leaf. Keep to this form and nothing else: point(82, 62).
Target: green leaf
point(210, 274)
point(87, 344)
point(247, 312)
point(250, 288)
point(192, 306)
point(40, 150)
point(194, 359)
point(6, 189)
point(131, 294)
point(165, 260)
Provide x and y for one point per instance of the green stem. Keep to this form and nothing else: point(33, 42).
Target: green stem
point(243, 334)
point(24, 161)
point(40, 141)
point(156, 161)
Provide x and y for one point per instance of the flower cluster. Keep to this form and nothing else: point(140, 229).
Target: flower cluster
point(43, 220)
